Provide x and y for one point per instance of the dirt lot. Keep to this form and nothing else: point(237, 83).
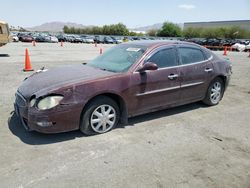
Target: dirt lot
point(188, 146)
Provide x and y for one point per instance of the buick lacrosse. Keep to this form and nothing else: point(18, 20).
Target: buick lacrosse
point(128, 80)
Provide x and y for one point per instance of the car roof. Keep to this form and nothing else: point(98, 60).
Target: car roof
point(154, 43)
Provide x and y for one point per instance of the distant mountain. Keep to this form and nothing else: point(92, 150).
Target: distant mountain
point(55, 26)
point(58, 27)
point(147, 28)
point(154, 26)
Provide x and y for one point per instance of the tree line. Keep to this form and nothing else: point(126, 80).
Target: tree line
point(173, 30)
point(233, 32)
point(168, 29)
point(113, 29)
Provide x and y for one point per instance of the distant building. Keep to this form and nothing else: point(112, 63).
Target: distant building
point(240, 23)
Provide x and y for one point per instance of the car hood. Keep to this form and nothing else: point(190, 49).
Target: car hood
point(59, 77)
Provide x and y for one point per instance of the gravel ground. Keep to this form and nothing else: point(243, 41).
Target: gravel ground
point(188, 146)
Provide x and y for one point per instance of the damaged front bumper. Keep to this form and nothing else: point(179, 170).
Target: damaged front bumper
point(60, 119)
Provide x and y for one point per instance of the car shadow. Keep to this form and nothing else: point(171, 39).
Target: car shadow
point(164, 113)
point(35, 138)
point(4, 55)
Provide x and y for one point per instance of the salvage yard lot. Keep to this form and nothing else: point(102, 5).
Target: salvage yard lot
point(189, 146)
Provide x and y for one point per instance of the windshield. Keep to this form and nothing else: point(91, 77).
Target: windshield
point(119, 58)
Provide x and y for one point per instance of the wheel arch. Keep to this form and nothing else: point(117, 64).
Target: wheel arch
point(224, 78)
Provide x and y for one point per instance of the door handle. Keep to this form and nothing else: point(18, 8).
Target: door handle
point(208, 70)
point(173, 76)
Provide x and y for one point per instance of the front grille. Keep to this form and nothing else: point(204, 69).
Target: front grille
point(20, 100)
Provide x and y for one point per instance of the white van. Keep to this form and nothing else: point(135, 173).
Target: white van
point(4, 33)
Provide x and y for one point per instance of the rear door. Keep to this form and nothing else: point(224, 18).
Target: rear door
point(195, 70)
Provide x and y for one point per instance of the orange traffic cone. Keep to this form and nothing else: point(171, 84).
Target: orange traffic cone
point(27, 62)
point(61, 43)
point(101, 50)
point(34, 43)
point(225, 51)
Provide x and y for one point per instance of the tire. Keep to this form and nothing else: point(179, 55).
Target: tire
point(215, 92)
point(93, 119)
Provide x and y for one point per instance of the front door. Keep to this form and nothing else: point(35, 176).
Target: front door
point(158, 88)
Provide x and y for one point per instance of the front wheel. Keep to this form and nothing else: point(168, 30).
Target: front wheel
point(100, 116)
point(215, 92)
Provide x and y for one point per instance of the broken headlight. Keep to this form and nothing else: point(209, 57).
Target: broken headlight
point(49, 102)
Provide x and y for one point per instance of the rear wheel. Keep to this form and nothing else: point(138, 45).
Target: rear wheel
point(100, 116)
point(215, 92)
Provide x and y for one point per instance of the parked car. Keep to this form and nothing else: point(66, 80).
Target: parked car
point(135, 38)
point(99, 39)
point(77, 39)
point(88, 39)
point(53, 39)
point(239, 47)
point(108, 40)
point(144, 38)
point(41, 39)
point(70, 38)
point(127, 80)
point(117, 40)
point(14, 38)
point(26, 38)
point(248, 47)
point(61, 38)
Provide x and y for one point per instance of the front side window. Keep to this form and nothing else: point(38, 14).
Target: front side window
point(190, 55)
point(1, 31)
point(164, 58)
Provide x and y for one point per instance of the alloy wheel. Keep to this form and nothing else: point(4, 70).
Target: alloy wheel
point(215, 94)
point(103, 118)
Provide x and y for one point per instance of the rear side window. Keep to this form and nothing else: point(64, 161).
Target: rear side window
point(164, 58)
point(1, 31)
point(207, 53)
point(190, 55)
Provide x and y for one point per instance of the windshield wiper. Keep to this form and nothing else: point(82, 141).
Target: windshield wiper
point(106, 69)
point(100, 68)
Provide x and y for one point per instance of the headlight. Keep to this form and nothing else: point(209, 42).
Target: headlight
point(32, 102)
point(49, 102)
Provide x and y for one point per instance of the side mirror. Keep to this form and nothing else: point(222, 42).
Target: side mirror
point(147, 66)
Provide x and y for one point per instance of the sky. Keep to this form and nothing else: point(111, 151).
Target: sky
point(133, 13)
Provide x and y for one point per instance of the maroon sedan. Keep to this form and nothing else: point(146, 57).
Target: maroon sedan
point(128, 80)
point(26, 38)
